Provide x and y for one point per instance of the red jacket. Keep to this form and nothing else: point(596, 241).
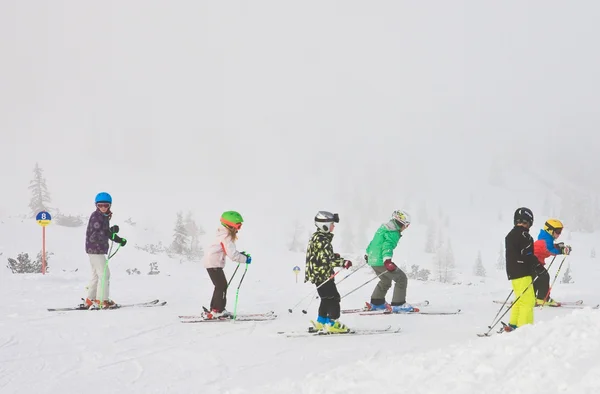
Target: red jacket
point(544, 247)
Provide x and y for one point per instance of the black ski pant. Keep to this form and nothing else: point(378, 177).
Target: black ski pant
point(542, 285)
point(219, 298)
point(330, 300)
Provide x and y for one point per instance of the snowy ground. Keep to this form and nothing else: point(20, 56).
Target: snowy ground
point(150, 351)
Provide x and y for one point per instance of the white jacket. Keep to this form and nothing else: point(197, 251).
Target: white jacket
point(221, 247)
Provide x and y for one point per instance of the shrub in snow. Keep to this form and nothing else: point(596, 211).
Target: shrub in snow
point(23, 264)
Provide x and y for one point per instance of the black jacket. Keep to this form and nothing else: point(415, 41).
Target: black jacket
point(520, 260)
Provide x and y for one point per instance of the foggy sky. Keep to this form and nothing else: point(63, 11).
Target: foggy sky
point(274, 106)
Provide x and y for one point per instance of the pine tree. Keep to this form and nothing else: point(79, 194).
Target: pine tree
point(179, 244)
point(567, 276)
point(348, 239)
point(193, 232)
point(593, 253)
point(444, 263)
point(430, 242)
point(501, 261)
point(40, 197)
point(479, 269)
point(297, 243)
point(450, 263)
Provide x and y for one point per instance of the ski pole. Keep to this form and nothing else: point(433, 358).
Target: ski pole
point(313, 292)
point(510, 307)
point(104, 273)
point(237, 292)
point(554, 281)
point(364, 284)
point(351, 273)
point(230, 279)
point(499, 310)
point(344, 278)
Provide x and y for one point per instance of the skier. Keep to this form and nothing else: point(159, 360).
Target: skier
point(223, 245)
point(379, 256)
point(98, 234)
point(520, 265)
point(320, 262)
point(542, 248)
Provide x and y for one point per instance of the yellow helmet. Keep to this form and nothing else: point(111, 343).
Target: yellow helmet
point(553, 225)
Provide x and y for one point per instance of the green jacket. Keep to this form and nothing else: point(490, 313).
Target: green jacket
point(383, 244)
point(320, 259)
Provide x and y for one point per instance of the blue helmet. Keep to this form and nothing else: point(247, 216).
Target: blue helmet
point(103, 197)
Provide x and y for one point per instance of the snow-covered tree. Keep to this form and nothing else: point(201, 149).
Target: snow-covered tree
point(593, 253)
point(501, 261)
point(479, 269)
point(567, 276)
point(180, 235)
point(430, 245)
point(348, 239)
point(193, 232)
point(40, 197)
point(444, 263)
point(297, 243)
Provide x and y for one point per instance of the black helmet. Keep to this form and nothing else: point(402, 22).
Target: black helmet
point(524, 215)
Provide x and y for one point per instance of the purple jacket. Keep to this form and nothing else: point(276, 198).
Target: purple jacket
point(97, 234)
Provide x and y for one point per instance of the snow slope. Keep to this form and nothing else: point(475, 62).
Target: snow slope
point(150, 351)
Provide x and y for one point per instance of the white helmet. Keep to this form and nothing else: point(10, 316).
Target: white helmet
point(323, 220)
point(402, 217)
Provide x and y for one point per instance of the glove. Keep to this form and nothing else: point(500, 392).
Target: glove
point(347, 264)
point(114, 229)
point(567, 249)
point(118, 239)
point(389, 265)
point(248, 257)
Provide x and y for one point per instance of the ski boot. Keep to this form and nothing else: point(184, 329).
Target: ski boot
point(87, 303)
point(335, 327)
point(382, 307)
point(215, 314)
point(404, 308)
point(319, 325)
point(549, 302)
point(507, 328)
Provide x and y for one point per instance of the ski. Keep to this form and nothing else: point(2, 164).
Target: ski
point(439, 313)
point(570, 306)
point(82, 307)
point(562, 303)
point(312, 333)
point(359, 310)
point(259, 315)
point(230, 318)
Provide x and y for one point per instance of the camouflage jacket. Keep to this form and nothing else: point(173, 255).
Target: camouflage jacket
point(320, 259)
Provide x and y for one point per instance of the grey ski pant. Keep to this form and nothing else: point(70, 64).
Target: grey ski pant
point(385, 282)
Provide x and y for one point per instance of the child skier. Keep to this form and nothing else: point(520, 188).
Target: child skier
point(320, 261)
point(379, 257)
point(520, 265)
point(98, 234)
point(224, 245)
point(542, 248)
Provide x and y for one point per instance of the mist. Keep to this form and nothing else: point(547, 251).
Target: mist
point(279, 109)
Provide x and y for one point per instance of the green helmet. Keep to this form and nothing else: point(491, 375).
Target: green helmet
point(232, 219)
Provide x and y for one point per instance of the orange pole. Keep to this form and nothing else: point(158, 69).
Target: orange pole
point(44, 250)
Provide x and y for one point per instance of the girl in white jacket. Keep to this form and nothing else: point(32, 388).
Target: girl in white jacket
point(214, 261)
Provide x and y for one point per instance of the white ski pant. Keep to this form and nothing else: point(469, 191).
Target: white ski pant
point(98, 263)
